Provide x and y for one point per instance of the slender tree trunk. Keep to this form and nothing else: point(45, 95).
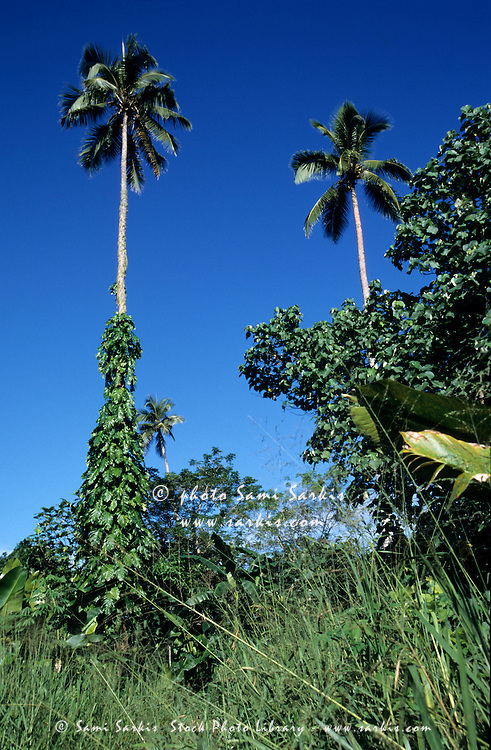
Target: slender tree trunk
point(123, 210)
point(164, 456)
point(361, 249)
point(361, 260)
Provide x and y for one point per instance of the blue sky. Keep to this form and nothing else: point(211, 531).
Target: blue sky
point(217, 243)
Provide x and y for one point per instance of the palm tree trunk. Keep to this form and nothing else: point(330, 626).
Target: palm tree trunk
point(123, 210)
point(361, 249)
point(361, 259)
point(164, 456)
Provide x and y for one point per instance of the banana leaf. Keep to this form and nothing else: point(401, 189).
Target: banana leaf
point(440, 432)
point(12, 582)
point(385, 408)
point(431, 448)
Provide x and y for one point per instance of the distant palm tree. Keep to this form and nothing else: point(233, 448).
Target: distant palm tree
point(134, 100)
point(155, 423)
point(352, 135)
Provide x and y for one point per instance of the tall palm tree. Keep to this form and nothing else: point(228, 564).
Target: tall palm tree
point(127, 99)
point(155, 423)
point(352, 135)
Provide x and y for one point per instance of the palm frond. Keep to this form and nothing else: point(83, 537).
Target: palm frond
point(309, 165)
point(332, 207)
point(335, 213)
point(150, 154)
point(70, 96)
point(135, 60)
point(354, 138)
point(391, 168)
point(161, 134)
point(102, 143)
point(151, 77)
point(380, 196)
point(173, 419)
point(169, 116)
point(103, 83)
point(94, 55)
point(134, 171)
point(342, 125)
point(135, 49)
point(374, 124)
point(324, 131)
point(146, 438)
point(78, 108)
point(159, 101)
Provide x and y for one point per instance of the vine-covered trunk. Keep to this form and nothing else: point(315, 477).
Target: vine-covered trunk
point(361, 249)
point(123, 210)
point(114, 543)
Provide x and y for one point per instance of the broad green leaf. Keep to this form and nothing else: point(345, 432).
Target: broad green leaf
point(364, 422)
point(12, 562)
point(76, 640)
point(82, 639)
point(472, 460)
point(12, 589)
point(250, 588)
point(222, 588)
point(397, 407)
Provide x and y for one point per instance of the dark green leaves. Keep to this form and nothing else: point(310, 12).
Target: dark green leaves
point(449, 202)
point(113, 541)
point(394, 407)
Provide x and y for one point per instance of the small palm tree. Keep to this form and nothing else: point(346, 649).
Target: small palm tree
point(128, 100)
point(352, 135)
point(155, 423)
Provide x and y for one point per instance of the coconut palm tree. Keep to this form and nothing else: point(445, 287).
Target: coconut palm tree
point(352, 135)
point(127, 100)
point(155, 423)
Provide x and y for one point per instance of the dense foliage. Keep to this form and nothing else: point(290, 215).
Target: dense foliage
point(325, 639)
point(112, 540)
point(210, 494)
point(446, 232)
point(436, 340)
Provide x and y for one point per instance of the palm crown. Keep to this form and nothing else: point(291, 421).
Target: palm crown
point(126, 101)
point(115, 88)
point(352, 135)
point(156, 423)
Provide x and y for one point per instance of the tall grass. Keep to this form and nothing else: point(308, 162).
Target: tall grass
point(346, 650)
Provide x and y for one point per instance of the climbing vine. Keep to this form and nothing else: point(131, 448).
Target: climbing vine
point(113, 542)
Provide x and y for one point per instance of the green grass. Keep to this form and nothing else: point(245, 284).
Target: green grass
point(346, 654)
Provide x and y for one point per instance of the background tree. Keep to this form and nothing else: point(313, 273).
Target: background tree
point(437, 340)
point(155, 423)
point(204, 497)
point(129, 100)
point(49, 553)
point(352, 135)
point(211, 496)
